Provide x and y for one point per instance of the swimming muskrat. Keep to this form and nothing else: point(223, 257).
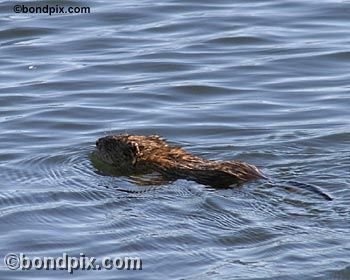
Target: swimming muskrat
point(143, 154)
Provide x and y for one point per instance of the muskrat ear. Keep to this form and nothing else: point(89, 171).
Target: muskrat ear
point(135, 148)
point(136, 152)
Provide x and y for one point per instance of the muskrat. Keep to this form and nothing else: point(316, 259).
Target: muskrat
point(132, 154)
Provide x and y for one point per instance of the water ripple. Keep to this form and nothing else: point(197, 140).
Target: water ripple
point(265, 82)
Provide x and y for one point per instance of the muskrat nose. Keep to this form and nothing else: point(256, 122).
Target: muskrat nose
point(97, 143)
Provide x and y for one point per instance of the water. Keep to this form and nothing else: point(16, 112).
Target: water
point(266, 82)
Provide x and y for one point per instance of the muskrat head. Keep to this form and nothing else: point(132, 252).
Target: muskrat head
point(117, 150)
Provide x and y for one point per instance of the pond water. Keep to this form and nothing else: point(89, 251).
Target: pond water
point(265, 82)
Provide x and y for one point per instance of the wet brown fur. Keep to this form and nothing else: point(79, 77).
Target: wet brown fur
point(133, 153)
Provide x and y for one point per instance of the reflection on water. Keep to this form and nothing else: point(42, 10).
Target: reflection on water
point(263, 82)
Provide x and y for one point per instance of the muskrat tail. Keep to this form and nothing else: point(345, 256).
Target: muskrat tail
point(309, 187)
